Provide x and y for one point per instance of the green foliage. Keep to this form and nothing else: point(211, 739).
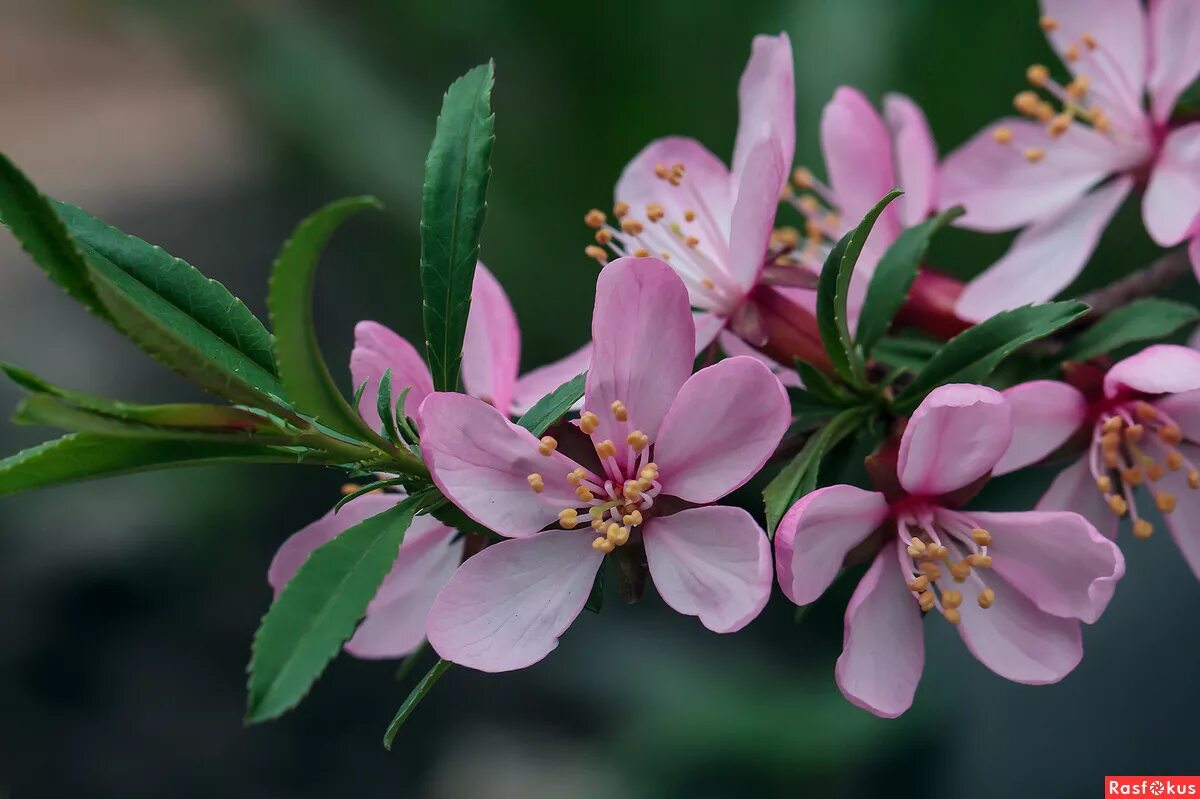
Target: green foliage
point(552, 407)
point(383, 404)
point(414, 698)
point(318, 609)
point(453, 203)
point(894, 277)
point(1147, 319)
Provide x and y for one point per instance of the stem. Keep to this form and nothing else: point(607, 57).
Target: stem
point(1142, 283)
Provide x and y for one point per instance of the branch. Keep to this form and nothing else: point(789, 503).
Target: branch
point(1142, 283)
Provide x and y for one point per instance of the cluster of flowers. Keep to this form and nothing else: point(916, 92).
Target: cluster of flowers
point(698, 264)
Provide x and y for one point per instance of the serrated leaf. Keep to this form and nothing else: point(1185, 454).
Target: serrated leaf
point(318, 609)
point(453, 203)
point(552, 407)
point(906, 352)
point(1148, 319)
point(414, 698)
point(971, 356)
point(383, 404)
point(894, 277)
point(832, 291)
point(85, 456)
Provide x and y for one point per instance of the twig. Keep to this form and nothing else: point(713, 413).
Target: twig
point(1142, 283)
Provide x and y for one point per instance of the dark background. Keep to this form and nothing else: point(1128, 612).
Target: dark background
point(211, 127)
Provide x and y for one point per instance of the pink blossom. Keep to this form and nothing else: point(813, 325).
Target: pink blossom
point(1143, 442)
point(653, 438)
point(1062, 174)
point(1016, 585)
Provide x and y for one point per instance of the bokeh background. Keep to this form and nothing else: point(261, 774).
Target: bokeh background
point(210, 127)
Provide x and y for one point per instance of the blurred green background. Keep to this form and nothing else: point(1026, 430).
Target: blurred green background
point(210, 127)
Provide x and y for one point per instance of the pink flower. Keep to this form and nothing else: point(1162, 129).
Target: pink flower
point(1016, 585)
point(654, 438)
point(395, 622)
point(491, 359)
point(1063, 176)
point(1143, 438)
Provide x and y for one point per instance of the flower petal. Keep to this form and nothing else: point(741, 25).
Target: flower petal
point(708, 327)
point(505, 608)
point(1074, 489)
point(713, 563)
point(883, 644)
point(815, 535)
point(858, 156)
point(723, 426)
point(1045, 413)
point(767, 103)
point(1002, 190)
point(492, 344)
point(1184, 521)
point(1173, 197)
point(957, 435)
point(481, 462)
point(645, 343)
point(1184, 410)
point(395, 622)
point(534, 385)
point(377, 349)
point(1058, 560)
point(1045, 257)
point(1160, 369)
point(753, 220)
point(1017, 640)
point(915, 158)
point(732, 345)
point(1174, 52)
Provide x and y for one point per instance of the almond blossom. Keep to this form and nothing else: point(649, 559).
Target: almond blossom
point(1061, 174)
point(654, 445)
point(1142, 433)
point(1016, 585)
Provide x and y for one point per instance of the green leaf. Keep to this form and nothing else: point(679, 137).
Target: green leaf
point(971, 356)
point(906, 352)
point(820, 387)
point(832, 290)
point(383, 404)
point(453, 202)
point(414, 698)
point(32, 220)
point(85, 456)
point(552, 407)
point(318, 609)
point(1146, 319)
point(369, 488)
point(894, 277)
point(799, 476)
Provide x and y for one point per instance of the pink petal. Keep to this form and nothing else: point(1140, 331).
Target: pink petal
point(1184, 521)
point(1117, 68)
point(1174, 52)
point(1017, 640)
point(1184, 410)
point(505, 608)
point(481, 462)
point(708, 328)
point(395, 621)
point(754, 212)
point(536, 384)
point(723, 426)
point(957, 435)
point(1173, 197)
point(1160, 369)
point(1075, 490)
point(815, 535)
point(1001, 190)
point(645, 343)
point(767, 103)
point(713, 563)
point(1058, 560)
point(377, 349)
point(1045, 257)
point(915, 157)
point(492, 345)
point(1045, 413)
point(883, 645)
point(858, 156)
point(732, 345)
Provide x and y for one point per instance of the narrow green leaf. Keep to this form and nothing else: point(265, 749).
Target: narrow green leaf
point(383, 404)
point(552, 407)
point(894, 277)
point(820, 387)
point(1148, 319)
point(317, 612)
point(368, 488)
point(85, 456)
point(832, 291)
point(414, 698)
point(453, 203)
point(971, 356)
point(906, 352)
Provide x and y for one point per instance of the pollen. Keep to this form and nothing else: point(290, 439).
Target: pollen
point(1112, 424)
point(661, 171)
point(1077, 88)
point(1142, 529)
point(592, 251)
point(649, 472)
point(584, 493)
point(1193, 479)
point(981, 536)
point(1131, 476)
point(980, 561)
point(918, 584)
point(595, 218)
point(1134, 433)
point(655, 212)
point(952, 599)
point(617, 535)
point(568, 518)
point(931, 570)
point(986, 597)
point(604, 236)
point(1003, 135)
point(603, 545)
point(1154, 471)
point(1059, 125)
point(786, 236)
point(960, 571)
point(1146, 412)
point(588, 422)
point(632, 490)
point(620, 209)
point(1034, 154)
point(707, 283)
point(1071, 53)
point(1104, 483)
point(641, 252)
point(952, 615)
point(926, 600)
point(619, 411)
point(606, 448)
point(1165, 501)
point(632, 519)
point(547, 445)
point(1089, 41)
point(692, 242)
point(916, 548)
point(1174, 460)
point(632, 226)
point(1037, 74)
point(689, 215)
point(1117, 505)
point(1048, 24)
point(802, 178)
point(536, 483)
point(576, 477)
point(1170, 434)
point(637, 440)
point(1027, 103)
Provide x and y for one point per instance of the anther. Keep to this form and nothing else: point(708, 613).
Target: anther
point(1089, 41)
point(1034, 154)
point(568, 518)
point(692, 242)
point(595, 218)
point(661, 171)
point(918, 584)
point(1131, 476)
point(689, 215)
point(708, 283)
point(637, 440)
point(1048, 24)
point(619, 411)
point(576, 477)
point(592, 251)
point(547, 445)
point(1044, 111)
point(1037, 74)
point(655, 212)
point(1112, 424)
point(979, 561)
point(1104, 483)
point(981, 536)
point(1154, 471)
point(952, 615)
point(588, 422)
point(960, 571)
point(632, 519)
point(938, 552)
point(1174, 460)
point(641, 252)
point(606, 448)
point(1058, 126)
point(1134, 433)
point(786, 236)
point(1193, 479)
point(931, 570)
point(1077, 88)
point(616, 534)
point(1003, 135)
point(803, 178)
point(649, 472)
point(603, 544)
point(926, 600)
point(584, 493)
point(604, 236)
point(632, 226)
point(632, 490)
point(1142, 529)
point(1170, 434)
point(916, 548)
point(986, 597)
point(620, 209)
point(1027, 103)
point(536, 483)
point(952, 599)
point(1165, 501)
point(1117, 505)
point(1145, 411)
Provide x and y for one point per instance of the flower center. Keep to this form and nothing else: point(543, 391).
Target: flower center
point(817, 204)
point(944, 554)
point(1135, 445)
point(615, 501)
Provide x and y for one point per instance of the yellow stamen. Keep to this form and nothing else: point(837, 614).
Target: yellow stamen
point(655, 212)
point(1071, 53)
point(692, 242)
point(603, 544)
point(1165, 501)
point(981, 536)
point(1131, 476)
point(620, 209)
point(926, 600)
point(588, 422)
point(547, 445)
point(1117, 505)
point(1142, 529)
point(595, 218)
point(1027, 103)
point(1077, 88)
point(619, 411)
point(616, 534)
point(980, 561)
point(1145, 411)
point(1003, 135)
point(1089, 41)
point(1170, 434)
point(576, 477)
point(584, 493)
point(1154, 471)
point(592, 251)
point(1174, 460)
point(536, 483)
point(1134, 433)
point(606, 448)
point(632, 519)
point(1112, 424)
point(1048, 24)
point(960, 571)
point(661, 171)
point(1037, 74)
point(1058, 126)
point(986, 597)
point(1034, 154)
point(568, 518)
point(932, 570)
point(1104, 483)
point(649, 472)
point(952, 615)
point(1193, 479)
point(952, 599)
point(689, 215)
point(603, 237)
point(803, 178)
point(918, 584)
point(637, 440)
point(916, 548)
point(641, 252)
point(632, 490)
